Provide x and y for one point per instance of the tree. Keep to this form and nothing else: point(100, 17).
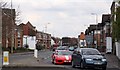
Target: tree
point(9, 15)
point(3, 4)
point(116, 24)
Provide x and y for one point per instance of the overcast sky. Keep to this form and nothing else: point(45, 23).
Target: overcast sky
point(66, 17)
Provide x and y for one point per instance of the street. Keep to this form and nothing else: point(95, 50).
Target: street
point(88, 29)
point(26, 61)
point(46, 68)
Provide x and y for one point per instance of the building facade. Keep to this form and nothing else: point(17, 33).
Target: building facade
point(115, 27)
point(43, 39)
point(8, 27)
point(23, 31)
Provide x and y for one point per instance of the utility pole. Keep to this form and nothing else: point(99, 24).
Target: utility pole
point(12, 29)
point(0, 30)
point(0, 37)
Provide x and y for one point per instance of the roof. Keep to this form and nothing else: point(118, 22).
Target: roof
point(105, 18)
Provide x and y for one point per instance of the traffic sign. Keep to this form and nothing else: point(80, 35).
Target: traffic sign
point(5, 58)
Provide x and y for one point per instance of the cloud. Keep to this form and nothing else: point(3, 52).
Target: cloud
point(67, 17)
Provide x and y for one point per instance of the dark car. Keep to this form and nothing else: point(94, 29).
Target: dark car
point(88, 58)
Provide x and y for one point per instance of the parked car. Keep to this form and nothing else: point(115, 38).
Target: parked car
point(61, 57)
point(88, 58)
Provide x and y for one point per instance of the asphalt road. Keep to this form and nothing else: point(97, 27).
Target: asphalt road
point(47, 68)
point(42, 63)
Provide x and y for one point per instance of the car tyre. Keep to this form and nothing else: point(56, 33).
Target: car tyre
point(104, 68)
point(73, 64)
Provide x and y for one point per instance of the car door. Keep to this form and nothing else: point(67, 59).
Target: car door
point(76, 57)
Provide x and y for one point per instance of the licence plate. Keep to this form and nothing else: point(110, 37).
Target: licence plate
point(67, 61)
point(97, 63)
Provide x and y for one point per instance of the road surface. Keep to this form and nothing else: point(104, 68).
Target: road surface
point(26, 61)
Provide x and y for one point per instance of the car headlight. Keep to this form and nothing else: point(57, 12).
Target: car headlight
point(88, 59)
point(103, 59)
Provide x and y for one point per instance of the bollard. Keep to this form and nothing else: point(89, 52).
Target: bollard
point(5, 58)
point(35, 53)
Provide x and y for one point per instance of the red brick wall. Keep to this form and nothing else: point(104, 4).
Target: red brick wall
point(25, 30)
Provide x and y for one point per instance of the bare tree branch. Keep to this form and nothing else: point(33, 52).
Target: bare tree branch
point(18, 13)
point(4, 4)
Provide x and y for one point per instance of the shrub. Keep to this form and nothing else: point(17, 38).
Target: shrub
point(40, 47)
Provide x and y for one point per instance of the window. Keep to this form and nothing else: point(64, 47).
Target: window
point(19, 41)
point(18, 45)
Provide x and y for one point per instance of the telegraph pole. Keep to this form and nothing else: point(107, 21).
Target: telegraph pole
point(0, 38)
point(12, 29)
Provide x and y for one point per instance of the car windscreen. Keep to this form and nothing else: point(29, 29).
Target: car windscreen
point(71, 48)
point(62, 48)
point(90, 52)
point(64, 53)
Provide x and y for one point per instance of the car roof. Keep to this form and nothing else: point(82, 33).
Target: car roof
point(61, 50)
point(86, 49)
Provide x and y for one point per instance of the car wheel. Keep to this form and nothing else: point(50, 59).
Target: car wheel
point(104, 68)
point(73, 64)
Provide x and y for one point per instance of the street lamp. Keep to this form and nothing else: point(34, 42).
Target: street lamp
point(46, 27)
point(96, 18)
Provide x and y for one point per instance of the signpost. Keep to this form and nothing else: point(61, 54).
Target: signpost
point(5, 58)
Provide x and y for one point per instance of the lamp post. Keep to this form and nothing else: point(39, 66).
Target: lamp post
point(46, 27)
point(96, 21)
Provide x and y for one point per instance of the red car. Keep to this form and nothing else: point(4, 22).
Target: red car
point(61, 57)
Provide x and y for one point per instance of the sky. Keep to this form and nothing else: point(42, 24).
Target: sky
point(63, 18)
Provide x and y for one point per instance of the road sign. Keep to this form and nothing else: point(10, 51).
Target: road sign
point(5, 58)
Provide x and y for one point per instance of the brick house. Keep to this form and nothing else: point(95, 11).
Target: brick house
point(19, 36)
point(105, 29)
point(44, 39)
point(24, 30)
point(93, 31)
point(29, 29)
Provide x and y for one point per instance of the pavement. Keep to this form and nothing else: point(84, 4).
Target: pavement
point(27, 59)
point(113, 61)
